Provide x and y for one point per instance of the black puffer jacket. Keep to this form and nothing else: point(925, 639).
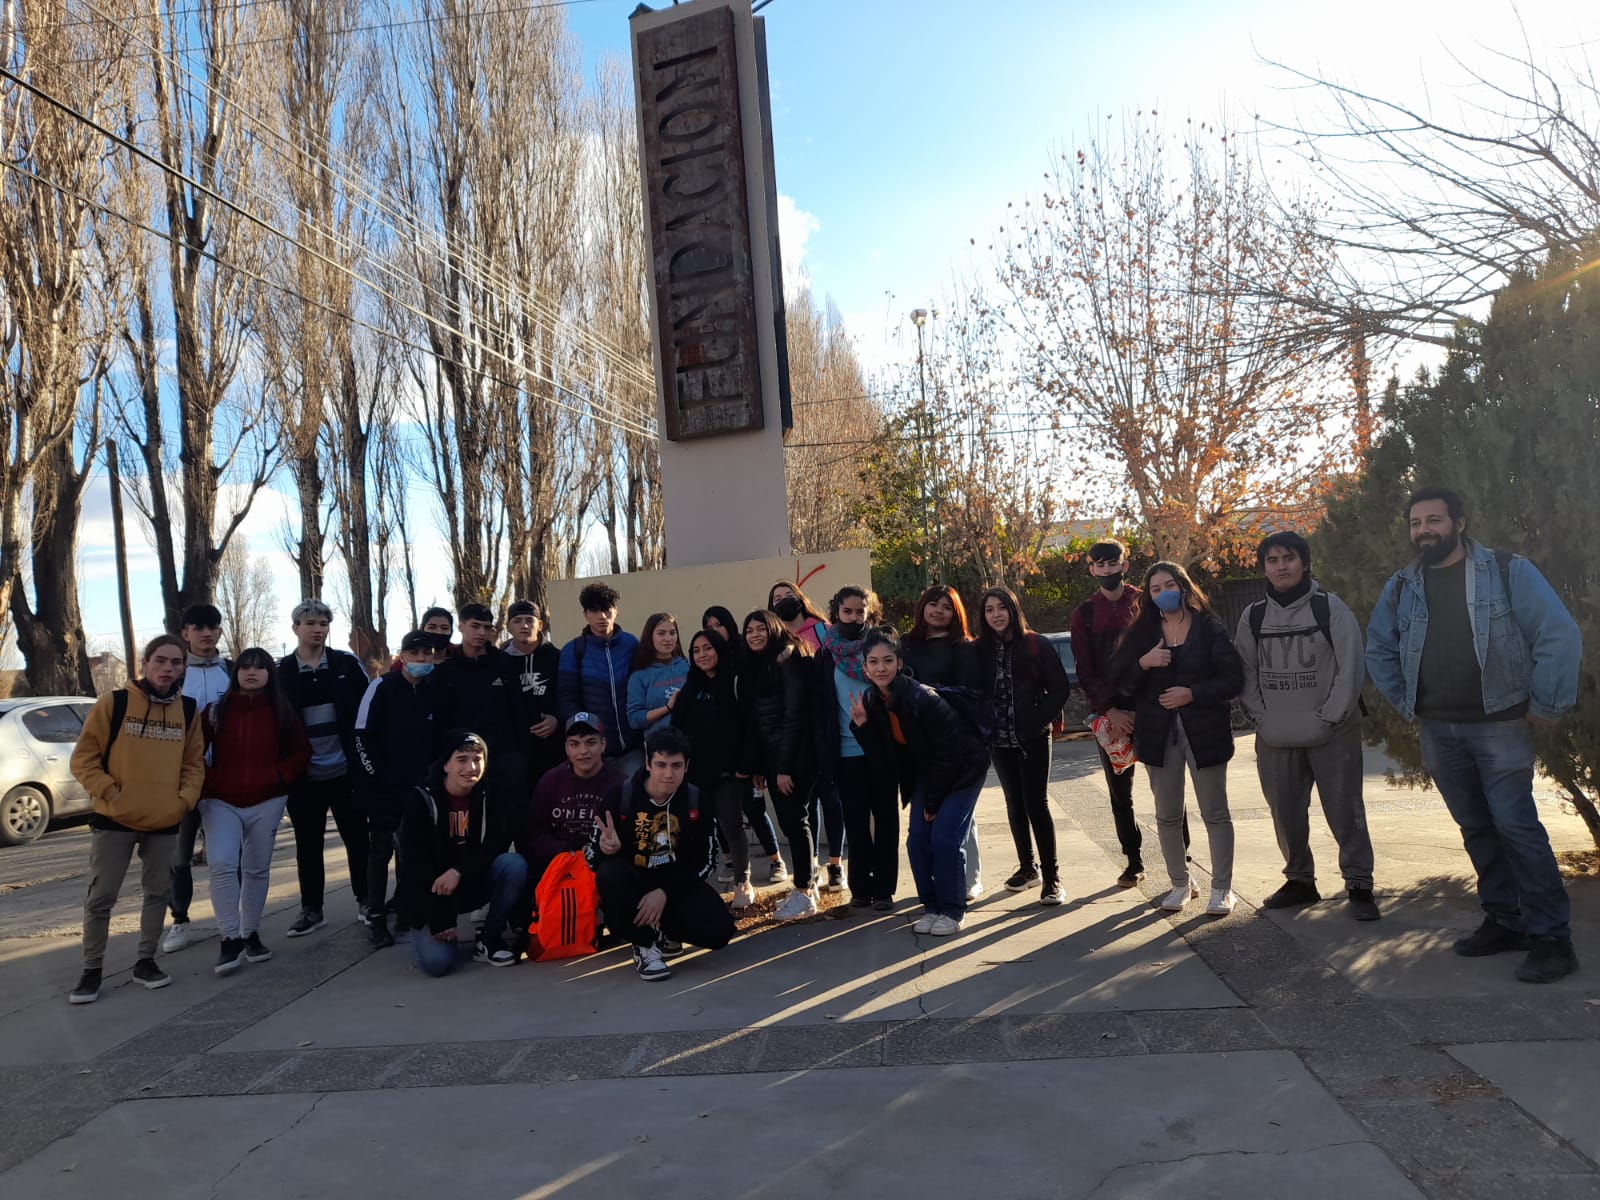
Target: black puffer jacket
point(943, 660)
point(775, 696)
point(1209, 666)
point(1039, 684)
point(941, 754)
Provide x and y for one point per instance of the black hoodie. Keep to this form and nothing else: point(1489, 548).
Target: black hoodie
point(707, 711)
point(535, 698)
point(427, 851)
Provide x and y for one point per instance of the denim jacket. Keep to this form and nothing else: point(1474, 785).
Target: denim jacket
point(1528, 645)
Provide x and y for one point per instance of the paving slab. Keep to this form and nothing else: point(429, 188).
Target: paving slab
point(1108, 951)
point(1196, 1125)
point(1558, 1082)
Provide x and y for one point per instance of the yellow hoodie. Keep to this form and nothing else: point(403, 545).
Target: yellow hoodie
point(157, 765)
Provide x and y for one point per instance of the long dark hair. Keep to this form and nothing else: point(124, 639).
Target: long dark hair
point(645, 655)
point(807, 608)
point(283, 713)
point(1018, 629)
point(958, 625)
point(1146, 624)
point(719, 685)
point(778, 637)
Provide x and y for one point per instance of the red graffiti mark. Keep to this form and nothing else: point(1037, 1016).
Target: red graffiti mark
point(800, 580)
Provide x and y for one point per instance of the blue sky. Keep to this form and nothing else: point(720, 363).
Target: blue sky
point(902, 129)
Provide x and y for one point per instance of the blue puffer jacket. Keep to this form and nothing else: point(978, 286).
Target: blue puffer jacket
point(596, 681)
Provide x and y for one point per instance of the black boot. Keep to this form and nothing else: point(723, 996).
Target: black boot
point(1549, 960)
point(1491, 938)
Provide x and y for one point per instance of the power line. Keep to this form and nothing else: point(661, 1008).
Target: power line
point(515, 10)
point(392, 336)
point(399, 220)
point(627, 424)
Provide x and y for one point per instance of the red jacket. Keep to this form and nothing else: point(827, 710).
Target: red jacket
point(248, 765)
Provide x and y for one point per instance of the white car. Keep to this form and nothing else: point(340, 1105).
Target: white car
point(37, 735)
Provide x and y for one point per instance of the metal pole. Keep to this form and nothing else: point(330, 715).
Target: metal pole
point(920, 317)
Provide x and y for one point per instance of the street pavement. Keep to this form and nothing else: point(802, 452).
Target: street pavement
point(1097, 1050)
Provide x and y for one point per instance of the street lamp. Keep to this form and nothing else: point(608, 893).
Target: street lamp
point(919, 318)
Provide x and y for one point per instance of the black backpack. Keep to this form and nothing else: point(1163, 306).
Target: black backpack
point(119, 714)
point(1321, 613)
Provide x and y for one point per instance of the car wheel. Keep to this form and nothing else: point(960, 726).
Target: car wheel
point(24, 815)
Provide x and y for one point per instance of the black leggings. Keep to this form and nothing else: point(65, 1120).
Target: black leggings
point(309, 805)
point(1024, 773)
point(870, 795)
point(727, 800)
point(698, 916)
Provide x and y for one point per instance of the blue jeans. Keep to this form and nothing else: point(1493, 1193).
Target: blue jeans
point(936, 850)
point(507, 877)
point(1484, 771)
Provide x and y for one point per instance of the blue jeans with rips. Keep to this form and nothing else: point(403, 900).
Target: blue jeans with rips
point(1484, 771)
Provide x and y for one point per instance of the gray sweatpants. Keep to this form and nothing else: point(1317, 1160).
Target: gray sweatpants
point(1287, 774)
point(110, 852)
point(1211, 795)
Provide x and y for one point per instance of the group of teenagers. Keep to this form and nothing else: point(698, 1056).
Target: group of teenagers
point(555, 791)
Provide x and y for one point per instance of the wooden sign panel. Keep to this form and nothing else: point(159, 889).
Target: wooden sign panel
point(692, 146)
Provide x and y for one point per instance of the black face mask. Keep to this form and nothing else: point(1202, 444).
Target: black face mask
point(787, 609)
point(850, 630)
point(1112, 582)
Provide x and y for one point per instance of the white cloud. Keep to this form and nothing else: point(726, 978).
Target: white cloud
point(795, 227)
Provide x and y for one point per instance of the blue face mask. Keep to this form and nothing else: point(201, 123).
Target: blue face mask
point(1169, 601)
point(418, 670)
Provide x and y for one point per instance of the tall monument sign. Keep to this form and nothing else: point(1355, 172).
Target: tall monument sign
point(716, 292)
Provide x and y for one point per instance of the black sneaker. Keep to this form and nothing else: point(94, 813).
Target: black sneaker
point(230, 956)
point(1025, 878)
point(1131, 876)
point(1491, 938)
point(495, 958)
point(835, 878)
point(88, 989)
point(1292, 894)
point(309, 921)
point(1053, 896)
point(883, 904)
point(254, 951)
point(364, 915)
point(1362, 906)
point(1549, 960)
point(146, 972)
point(668, 947)
point(647, 961)
point(378, 935)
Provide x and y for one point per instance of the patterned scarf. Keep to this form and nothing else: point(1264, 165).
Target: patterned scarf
point(846, 654)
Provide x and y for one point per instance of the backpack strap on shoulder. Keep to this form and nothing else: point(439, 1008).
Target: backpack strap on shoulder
point(119, 714)
point(1322, 614)
point(1258, 615)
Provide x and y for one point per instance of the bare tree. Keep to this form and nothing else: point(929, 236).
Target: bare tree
point(1437, 209)
point(1155, 306)
point(62, 284)
point(245, 597)
point(205, 177)
point(836, 422)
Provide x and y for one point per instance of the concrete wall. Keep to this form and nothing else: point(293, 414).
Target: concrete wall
point(686, 592)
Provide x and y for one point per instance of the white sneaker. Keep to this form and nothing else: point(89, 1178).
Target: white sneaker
point(944, 926)
point(925, 923)
point(743, 896)
point(1174, 900)
point(1222, 902)
point(175, 938)
point(796, 906)
point(975, 890)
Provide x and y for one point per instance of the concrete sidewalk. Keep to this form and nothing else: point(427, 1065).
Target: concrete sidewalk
point(1095, 1050)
